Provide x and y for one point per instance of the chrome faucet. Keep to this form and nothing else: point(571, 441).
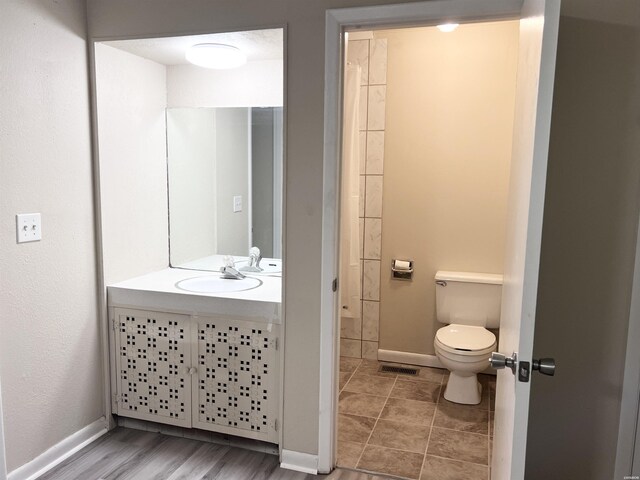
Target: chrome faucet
point(228, 270)
point(231, 273)
point(254, 261)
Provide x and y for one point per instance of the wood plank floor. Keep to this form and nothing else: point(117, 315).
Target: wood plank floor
point(125, 454)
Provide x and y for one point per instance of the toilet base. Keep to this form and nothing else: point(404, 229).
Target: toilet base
point(463, 389)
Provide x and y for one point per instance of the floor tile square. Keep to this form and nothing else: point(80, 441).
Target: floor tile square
point(348, 364)
point(391, 462)
point(411, 438)
point(349, 454)
point(423, 391)
point(428, 374)
point(408, 411)
point(464, 446)
point(436, 468)
point(360, 404)
point(370, 384)
point(372, 367)
point(344, 378)
point(352, 428)
point(462, 417)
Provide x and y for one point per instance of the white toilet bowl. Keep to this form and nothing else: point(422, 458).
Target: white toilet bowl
point(464, 350)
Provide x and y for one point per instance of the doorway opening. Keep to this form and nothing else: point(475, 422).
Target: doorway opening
point(427, 143)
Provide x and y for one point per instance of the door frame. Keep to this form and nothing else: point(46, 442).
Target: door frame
point(423, 13)
point(3, 461)
point(628, 448)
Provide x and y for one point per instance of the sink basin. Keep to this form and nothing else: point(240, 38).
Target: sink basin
point(268, 266)
point(217, 284)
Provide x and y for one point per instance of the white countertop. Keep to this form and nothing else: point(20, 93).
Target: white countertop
point(157, 291)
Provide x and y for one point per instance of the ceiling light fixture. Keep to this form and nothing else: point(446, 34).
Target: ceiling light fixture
point(215, 55)
point(448, 27)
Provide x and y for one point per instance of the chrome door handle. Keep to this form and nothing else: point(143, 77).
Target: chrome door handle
point(546, 366)
point(499, 361)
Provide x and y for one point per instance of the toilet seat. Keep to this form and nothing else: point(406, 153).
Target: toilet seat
point(465, 340)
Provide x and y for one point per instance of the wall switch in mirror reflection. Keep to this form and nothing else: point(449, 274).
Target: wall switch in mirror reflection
point(237, 203)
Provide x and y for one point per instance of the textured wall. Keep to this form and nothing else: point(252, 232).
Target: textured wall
point(132, 96)
point(450, 107)
point(50, 360)
point(305, 21)
point(256, 84)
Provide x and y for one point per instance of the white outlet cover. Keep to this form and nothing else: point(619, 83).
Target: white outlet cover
point(28, 227)
point(237, 203)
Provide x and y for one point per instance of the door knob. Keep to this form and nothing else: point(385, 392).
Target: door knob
point(499, 361)
point(546, 366)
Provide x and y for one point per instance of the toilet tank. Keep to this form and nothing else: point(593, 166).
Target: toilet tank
point(468, 298)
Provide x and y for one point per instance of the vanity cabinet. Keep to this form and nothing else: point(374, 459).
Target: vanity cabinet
point(217, 373)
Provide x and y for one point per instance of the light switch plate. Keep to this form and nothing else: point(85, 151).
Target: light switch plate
point(237, 203)
point(28, 227)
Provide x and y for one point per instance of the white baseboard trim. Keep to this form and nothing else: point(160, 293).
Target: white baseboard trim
point(299, 461)
point(60, 451)
point(420, 359)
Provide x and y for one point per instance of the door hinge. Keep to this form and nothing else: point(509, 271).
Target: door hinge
point(116, 398)
point(113, 324)
point(334, 285)
point(275, 343)
point(276, 425)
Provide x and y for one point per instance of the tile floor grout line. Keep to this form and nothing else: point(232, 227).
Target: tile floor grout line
point(458, 460)
point(377, 419)
point(433, 421)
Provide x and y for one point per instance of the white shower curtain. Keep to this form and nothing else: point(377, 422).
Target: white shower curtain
point(350, 197)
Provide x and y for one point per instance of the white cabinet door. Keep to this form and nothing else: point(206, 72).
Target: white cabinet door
point(235, 389)
point(153, 356)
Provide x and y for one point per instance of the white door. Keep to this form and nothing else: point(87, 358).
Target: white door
point(534, 92)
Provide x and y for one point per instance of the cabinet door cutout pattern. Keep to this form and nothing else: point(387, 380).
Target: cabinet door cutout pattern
point(152, 376)
point(234, 375)
point(216, 374)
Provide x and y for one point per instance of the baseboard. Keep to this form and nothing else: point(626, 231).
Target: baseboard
point(60, 451)
point(421, 359)
point(300, 462)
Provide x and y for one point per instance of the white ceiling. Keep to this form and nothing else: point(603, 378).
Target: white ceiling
point(256, 44)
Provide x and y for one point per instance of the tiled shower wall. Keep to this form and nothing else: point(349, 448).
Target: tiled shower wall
point(359, 336)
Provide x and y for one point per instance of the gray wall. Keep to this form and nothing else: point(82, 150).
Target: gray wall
point(589, 221)
point(262, 120)
point(588, 246)
point(50, 353)
point(231, 177)
point(305, 21)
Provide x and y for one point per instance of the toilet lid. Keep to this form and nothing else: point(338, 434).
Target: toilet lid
point(466, 338)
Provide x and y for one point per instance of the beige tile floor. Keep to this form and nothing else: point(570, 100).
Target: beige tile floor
point(402, 425)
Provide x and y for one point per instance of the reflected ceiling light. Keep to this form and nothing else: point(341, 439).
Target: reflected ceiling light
point(215, 55)
point(448, 27)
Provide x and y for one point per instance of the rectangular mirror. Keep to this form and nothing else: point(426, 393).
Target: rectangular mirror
point(224, 169)
point(209, 109)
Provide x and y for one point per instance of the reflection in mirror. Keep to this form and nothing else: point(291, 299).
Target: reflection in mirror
point(222, 130)
point(225, 185)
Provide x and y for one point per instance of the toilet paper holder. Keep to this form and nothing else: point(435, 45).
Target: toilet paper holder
point(400, 269)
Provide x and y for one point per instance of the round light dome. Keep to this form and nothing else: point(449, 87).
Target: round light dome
point(215, 55)
point(448, 27)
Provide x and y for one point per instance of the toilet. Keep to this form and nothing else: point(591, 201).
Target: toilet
point(468, 303)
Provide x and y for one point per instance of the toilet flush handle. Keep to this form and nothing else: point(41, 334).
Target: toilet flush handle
point(499, 361)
